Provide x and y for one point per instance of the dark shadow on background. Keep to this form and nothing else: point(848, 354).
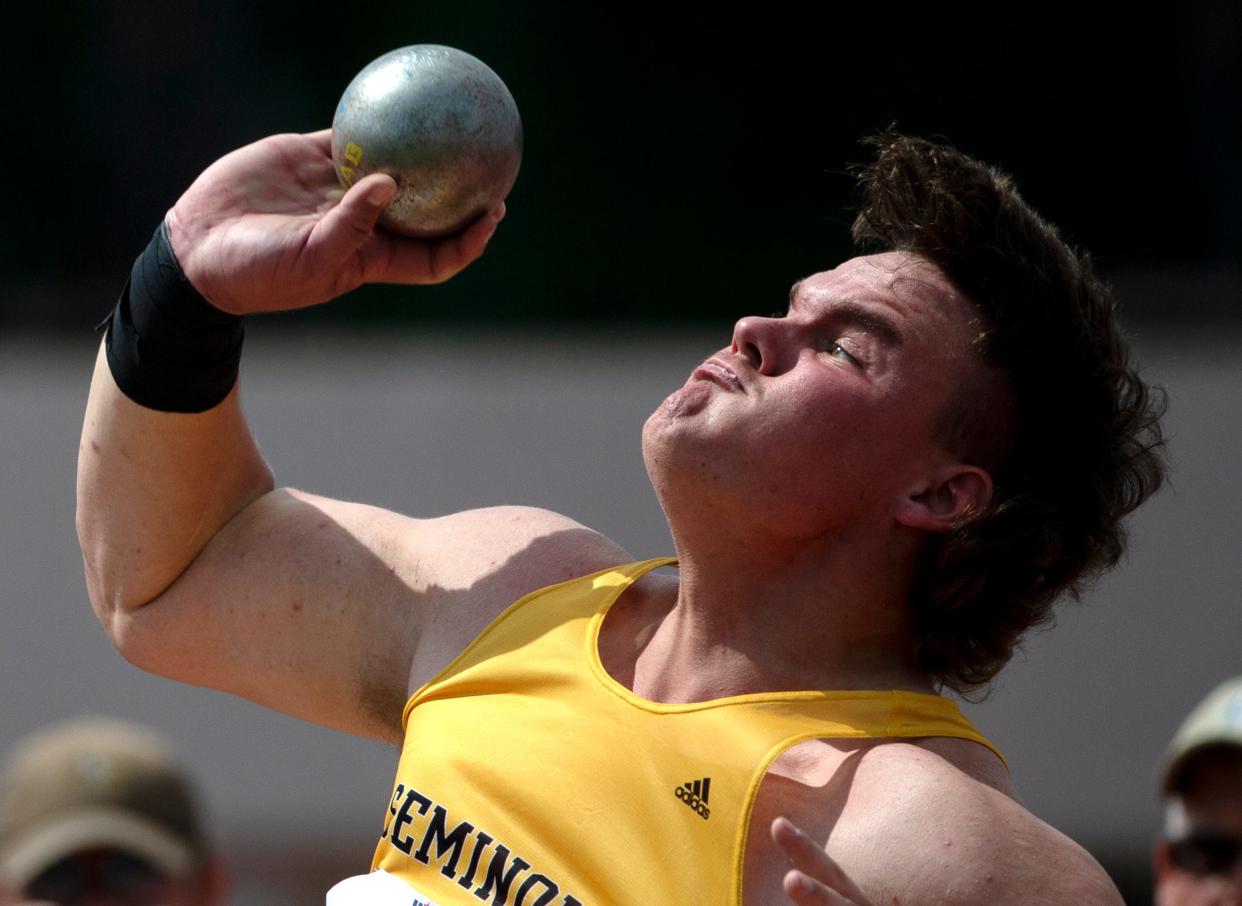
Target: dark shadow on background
point(678, 165)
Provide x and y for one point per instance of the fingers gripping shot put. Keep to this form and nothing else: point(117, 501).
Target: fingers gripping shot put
point(898, 488)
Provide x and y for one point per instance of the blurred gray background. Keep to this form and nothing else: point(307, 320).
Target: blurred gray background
point(681, 171)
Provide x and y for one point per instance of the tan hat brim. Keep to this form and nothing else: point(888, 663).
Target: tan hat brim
point(66, 834)
point(1174, 771)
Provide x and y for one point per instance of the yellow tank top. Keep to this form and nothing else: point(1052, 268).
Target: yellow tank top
point(530, 777)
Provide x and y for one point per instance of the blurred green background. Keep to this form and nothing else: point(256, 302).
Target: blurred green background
point(681, 163)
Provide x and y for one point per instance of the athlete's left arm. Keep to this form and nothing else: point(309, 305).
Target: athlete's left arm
point(1026, 862)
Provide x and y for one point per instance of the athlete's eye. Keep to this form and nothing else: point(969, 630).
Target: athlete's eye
point(841, 352)
point(837, 351)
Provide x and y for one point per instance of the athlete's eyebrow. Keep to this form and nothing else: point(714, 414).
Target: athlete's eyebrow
point(852, 312)
point(868, 320)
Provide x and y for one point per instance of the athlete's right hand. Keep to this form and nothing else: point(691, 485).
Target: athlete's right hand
point(814, 879)
point(268, 228)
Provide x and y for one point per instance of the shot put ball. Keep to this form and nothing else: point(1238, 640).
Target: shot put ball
point(442, 124)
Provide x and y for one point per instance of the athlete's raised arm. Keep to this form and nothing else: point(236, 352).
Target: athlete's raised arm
point(197, 566)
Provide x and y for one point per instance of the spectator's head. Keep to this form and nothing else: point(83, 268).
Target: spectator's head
point(1198, 860)
point(95, 812)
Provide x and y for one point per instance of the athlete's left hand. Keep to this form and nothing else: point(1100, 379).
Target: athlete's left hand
point(815, 879)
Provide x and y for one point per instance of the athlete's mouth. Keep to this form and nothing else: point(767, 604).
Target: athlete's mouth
point(719, 373)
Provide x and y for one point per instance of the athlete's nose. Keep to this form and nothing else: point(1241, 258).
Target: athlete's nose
point(758, 341)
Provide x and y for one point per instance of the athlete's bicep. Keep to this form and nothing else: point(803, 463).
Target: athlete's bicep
point(297, 603)
point(316, 607)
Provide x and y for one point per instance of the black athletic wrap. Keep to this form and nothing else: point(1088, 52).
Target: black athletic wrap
point(169, 348)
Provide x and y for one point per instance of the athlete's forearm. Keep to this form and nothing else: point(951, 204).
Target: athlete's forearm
point(166, 459)
point(154, 488)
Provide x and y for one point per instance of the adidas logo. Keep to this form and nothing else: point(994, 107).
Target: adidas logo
point(694, 794)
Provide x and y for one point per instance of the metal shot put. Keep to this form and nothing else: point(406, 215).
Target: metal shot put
point(442, 124)
point(871, 496)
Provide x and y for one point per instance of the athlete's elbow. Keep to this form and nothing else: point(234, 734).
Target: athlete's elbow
point(118, 627)
point(114, 588)
point(100, 565)
point(104, 595)
point(111, 607)
point(133, 640)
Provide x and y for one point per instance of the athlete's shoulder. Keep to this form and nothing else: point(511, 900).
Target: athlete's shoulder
point(533, 547)
point(467, 567)
point(958, 834)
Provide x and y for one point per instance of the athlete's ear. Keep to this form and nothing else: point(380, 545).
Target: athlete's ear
point(954, 493)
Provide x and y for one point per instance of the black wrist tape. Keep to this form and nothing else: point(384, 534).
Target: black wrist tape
point(169, 348)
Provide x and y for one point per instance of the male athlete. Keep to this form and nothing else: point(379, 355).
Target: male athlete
point(873, 496)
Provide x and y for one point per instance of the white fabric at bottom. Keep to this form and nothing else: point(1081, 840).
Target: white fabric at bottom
point(379, 888)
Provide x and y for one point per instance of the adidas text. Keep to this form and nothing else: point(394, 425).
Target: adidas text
point(694, 794)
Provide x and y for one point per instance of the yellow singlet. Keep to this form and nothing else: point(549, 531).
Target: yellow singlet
point(530, 777)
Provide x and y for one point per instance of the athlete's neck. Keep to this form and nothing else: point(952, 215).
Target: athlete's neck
point(762, 617)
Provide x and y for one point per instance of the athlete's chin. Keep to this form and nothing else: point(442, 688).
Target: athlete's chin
point(685, 401)
point(683, 445)
point(679, 418)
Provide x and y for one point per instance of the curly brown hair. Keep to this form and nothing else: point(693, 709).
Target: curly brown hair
point(1081, 444)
